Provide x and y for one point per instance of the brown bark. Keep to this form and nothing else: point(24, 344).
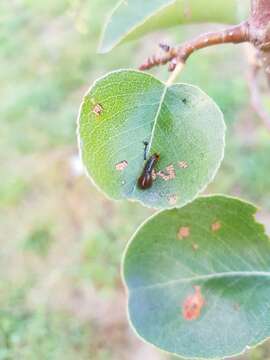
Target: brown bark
point(259, 24)
point(260, 13)
point(234, 34)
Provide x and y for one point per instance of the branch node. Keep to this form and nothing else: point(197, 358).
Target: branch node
point(165, 47)
point(233, 34)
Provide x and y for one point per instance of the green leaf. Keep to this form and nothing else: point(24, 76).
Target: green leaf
point(132, 19)
point(211, 250)
point(180, 123)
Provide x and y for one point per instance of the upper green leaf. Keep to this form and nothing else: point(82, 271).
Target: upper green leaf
point(131, 19)
point(180, 123)
point(199, 279)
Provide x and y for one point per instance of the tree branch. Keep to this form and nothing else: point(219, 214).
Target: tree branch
point(255, 30)
point(234, 34)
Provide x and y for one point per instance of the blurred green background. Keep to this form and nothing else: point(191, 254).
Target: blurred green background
point(61, 295)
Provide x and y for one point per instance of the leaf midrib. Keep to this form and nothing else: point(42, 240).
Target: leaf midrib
point(156, 117)
point(154, 126)
point(204, 278)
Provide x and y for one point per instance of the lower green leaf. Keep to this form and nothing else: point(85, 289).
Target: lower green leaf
point(198, 279)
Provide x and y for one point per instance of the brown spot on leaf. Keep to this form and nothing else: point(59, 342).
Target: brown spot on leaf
point(182, 164)
point(183, 232)
point(172, 199)
point(121, 165)
point(216, 226)
point(193, 304)
point(97, 109)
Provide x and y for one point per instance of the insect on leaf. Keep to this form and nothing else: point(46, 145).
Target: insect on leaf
point(126, 109)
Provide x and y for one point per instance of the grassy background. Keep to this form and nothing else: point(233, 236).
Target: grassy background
point(61, 240)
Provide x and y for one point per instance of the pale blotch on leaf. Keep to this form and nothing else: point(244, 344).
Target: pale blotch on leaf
point(172, 199)
point(170, 170)
point(170, 173)
point(183, 232)
point(195, 246)
point(193, 305)
point(163, 176)
point(182, 164)
point(121, 165)
point(216, 226)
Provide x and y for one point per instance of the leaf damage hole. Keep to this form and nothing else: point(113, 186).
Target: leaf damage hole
point(183, 164)
point(193, 305)
point(120, 166)
point(183, 232)
point(216, 226)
